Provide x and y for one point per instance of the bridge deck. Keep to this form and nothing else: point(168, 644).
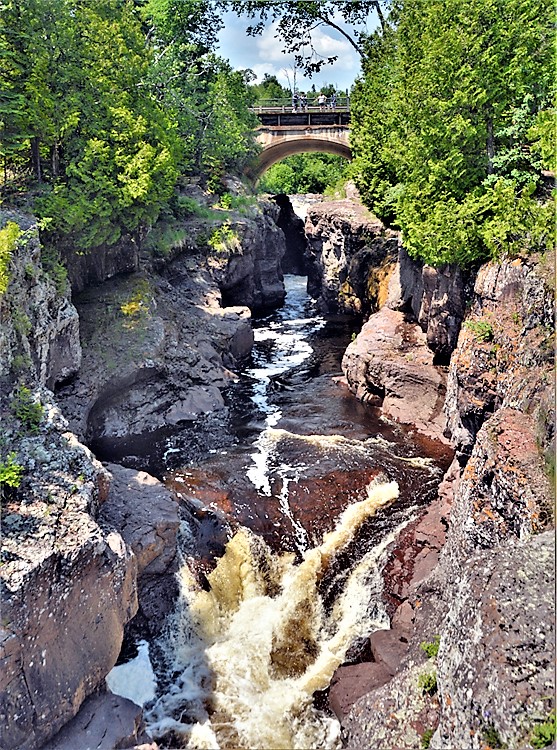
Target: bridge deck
point(312, 116)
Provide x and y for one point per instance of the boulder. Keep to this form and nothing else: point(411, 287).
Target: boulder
point(388, 649)
point(390, 363)
point(351, 682)
point(62, 633)
point(104, 722)
point(146, 514)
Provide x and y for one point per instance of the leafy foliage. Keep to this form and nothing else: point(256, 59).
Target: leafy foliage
point(295, 20)
point(491, 736)
point(8, 239)
point(108, 102)
point(482, 330)
point(304, 173)
point(11, 472)
point(431, 648)
point(450, 127)
point(27, 409)
point(543, 734)
point(427, 681)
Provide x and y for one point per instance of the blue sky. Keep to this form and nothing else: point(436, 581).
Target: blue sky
point(263, 54)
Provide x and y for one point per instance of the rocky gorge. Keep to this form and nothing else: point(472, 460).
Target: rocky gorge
point(142, 352)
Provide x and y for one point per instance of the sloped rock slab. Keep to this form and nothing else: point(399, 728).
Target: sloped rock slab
point(104, 722)
point(389, 362)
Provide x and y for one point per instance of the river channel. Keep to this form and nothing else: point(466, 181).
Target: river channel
point(281, 562)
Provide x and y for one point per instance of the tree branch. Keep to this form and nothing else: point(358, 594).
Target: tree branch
point(340, 30)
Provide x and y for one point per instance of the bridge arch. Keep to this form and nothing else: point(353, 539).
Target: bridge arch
point(284, 133)
point(278, 151)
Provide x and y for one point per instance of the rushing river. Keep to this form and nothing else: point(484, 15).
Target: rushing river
point(282, 558)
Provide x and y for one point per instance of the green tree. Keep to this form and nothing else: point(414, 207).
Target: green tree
point(304, 173)
point(444, 125)
point(269, 88)
point(120, 148)
point(207, 99)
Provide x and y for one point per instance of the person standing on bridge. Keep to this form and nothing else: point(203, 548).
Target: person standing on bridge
point(303, 102)
point(334, 100)
point(295, 101)
point(321, 100)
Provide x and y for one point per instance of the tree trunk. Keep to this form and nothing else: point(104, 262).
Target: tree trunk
point(55, 160)
point(36, 158)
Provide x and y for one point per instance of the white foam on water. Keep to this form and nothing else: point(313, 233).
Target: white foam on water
point(135, 679)
point(251, 651)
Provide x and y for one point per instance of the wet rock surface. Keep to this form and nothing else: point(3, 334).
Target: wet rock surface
point(475, 568)
point(105, 722)
point(159, 346)
point(294, 259)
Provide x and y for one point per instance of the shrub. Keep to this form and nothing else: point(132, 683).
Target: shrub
point(26, 409)
point(491, 736)
point(52, 264)
point(427, 681)
point(224, 239)
point(426, 737)
point(543, 735)
point(431, 648)
point(482, 330)
point(10, 471)
point(8, 240)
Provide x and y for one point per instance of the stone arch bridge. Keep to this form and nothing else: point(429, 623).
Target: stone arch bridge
point(284, 133)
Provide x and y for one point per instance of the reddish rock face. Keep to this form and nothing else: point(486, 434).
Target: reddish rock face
point(351, 682)
point(390, 363)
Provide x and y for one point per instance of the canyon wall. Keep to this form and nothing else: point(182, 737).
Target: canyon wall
point(463, 357)
point(144, 344)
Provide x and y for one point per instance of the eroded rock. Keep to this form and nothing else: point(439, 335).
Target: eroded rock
point(390, 363)
point(351, 257)
point(496, 663)
point(104, 722)
point(146, 514)
point(39, 332)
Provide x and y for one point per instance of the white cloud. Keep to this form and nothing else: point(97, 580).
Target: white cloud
point(263, 54)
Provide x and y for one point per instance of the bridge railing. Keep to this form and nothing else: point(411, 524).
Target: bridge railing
point(342, 103)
